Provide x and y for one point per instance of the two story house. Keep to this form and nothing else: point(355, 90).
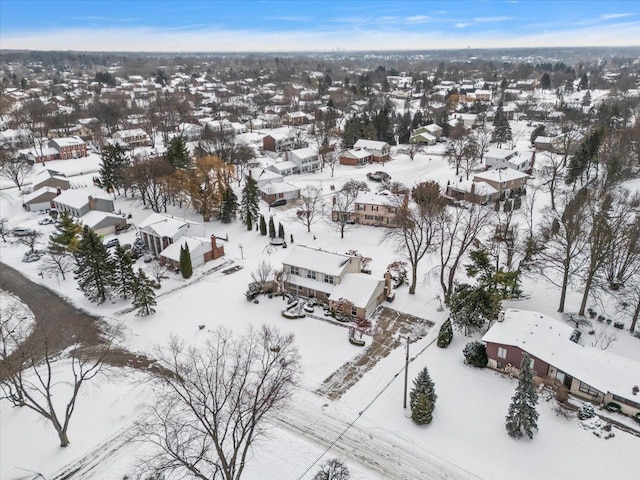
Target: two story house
point(306, 159)
point(375, 209)
point(504, 180)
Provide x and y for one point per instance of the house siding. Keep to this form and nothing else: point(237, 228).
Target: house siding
point(514, 359)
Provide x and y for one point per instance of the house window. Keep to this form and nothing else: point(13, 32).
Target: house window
point(584, 388)
point(294, 270)
point(531, 363)
point(374, 208)
point(626, 401)
point(328, 279)
point(311, 274)
point(502, 352)
point(560, 376)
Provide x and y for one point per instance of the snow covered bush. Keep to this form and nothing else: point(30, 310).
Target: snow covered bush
point(446, 334)
point(586, 411)
point(476, 354)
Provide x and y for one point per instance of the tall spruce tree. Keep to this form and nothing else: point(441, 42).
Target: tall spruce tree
point(228, 205)
point(114, 160)
point(263, 226)
point(522, 418)
point(249, 209)
point(185, 261)
point(95, 267)
point(144, 297)
point(422, 398)
point(123, 274)
point(177, 153)
point(272, 228)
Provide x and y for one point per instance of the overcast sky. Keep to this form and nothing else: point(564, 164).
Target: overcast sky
point(314, 25)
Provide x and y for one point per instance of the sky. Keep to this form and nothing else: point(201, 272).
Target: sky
point(314, 25)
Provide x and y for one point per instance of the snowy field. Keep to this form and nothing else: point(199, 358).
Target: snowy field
point(467, 434)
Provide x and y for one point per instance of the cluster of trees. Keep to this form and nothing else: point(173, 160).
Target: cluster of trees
point(100, 275)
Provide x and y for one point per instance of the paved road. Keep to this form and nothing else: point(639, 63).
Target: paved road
point(58, 321)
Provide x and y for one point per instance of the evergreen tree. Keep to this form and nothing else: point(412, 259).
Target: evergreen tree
point(545, 81)
point(249, 209)
point(185, 261)
point(114, 160)
point(177, 153)
point(272, 228)
point(472, 307)
point(280, 230)
point(95, 267)
point(522, 418)
point(144, 298)
point(263, 226)
point(584, 82)
point(476, 354)
point(445, 336)
point(422, 398)
point(123, 274)
point(66, 237)
point(228, 205)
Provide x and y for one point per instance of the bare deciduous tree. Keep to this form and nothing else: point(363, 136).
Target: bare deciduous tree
point(343, 209)
point(14, 170)
point(262, 274)
point(332, 469)
point(158, 270)
point(57, 262)
point(38, 378)
point(309, 206)
point(30, 239)
point(411, 150)
point(603, 337)
point(4, 228)
point(215, 402)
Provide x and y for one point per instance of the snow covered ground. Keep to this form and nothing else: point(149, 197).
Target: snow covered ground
point(466, 440)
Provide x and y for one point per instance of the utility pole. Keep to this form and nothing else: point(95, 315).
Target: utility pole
point(406, 374)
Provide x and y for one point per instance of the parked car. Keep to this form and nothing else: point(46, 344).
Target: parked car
point(114, 242)
point(45, 221)
point(278, 202)
point(123, 228)
point(22, 231)
point(379, 176)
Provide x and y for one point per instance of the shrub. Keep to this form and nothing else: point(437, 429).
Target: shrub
point(586, 411)
point(446, 334)
point(476, 354)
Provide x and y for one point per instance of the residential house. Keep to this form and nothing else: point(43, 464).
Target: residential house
point(201, 250)
point(504, 180)
point(132, 138)
point(51, 178)
point(316, 273)
point(159, 230)
point(40, 200)
point(263, 176)
point(306, 159)
point(272, 191)
point(432, 129)
point(103, 223)
point(422, 138)
point(283, 139)
point(80, 201)
point(497, 158)
point(355, 157)
point(191, 132)
point(379, 150)
point(295, 118)
point(375, 209)
point(587, 372)
point(472, 191)
point(283, 168)
point(69, 147)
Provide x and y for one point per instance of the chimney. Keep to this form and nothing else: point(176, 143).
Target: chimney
point(92, 203)
point(387, 282)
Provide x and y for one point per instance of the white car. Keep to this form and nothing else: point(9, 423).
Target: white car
point(45, 221)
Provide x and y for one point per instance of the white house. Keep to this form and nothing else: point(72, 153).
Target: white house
point(272, 191)
point(521, 161)
point(159, 230)
point(262, 176)
point(306, 159)
point(379, 150)
point(283, 168)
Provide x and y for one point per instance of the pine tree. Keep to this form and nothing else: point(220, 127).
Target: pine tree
point(185, 261)
point(123, 274)
point(272, 228)
point(280, 230)
point(263, 226)
point(177, 153)
point(422, 398)
point(95, 267)
point(522, 418)
point(249, 209)
point(144, 298)
point(228, 205)
point(445, 336)
point(66, 237)
point(114, 160)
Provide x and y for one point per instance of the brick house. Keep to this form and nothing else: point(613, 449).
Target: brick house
point(69, 147)
point(284, 139)
point(521, 161)
point(272, 191)
point(587, 372)
point(355, 157)
point(379, 150)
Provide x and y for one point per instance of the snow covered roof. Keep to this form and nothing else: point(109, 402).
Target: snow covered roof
point(372, 144)
point(358, 288)
point(318, 260)
point(96, 219)
point(197, 246)
point(42, 194)
point(549, 340)
point(67, 141)
point(381, 198)
point(283, 166)
point(165, 225)
point(304, 152)
point(262, 174)
point(500, 175)
point(479, 188)
point(79, 197)
point(357, 153)
point(500, 153)
point(278, 187)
